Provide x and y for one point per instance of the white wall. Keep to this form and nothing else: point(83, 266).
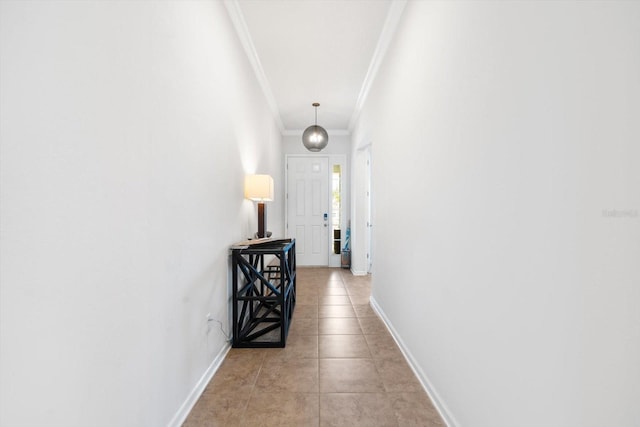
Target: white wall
point(504, 135)
point(126, 131)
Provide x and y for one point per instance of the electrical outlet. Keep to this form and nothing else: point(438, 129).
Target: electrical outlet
point(208, 323)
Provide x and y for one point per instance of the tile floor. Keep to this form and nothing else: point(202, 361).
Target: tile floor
point(341, 367)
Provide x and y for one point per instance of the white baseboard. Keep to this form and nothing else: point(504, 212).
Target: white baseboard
point(180, 417)
point(441, 407)
point(359, 273)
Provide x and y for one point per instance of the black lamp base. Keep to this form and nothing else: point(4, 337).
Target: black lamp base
point(262, 220)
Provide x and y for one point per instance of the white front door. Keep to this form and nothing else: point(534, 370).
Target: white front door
point(308, 208)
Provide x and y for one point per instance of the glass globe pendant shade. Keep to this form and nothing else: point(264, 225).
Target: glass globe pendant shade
point(315, 138)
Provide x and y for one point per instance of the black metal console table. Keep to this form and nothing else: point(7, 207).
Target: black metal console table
point(264, 296)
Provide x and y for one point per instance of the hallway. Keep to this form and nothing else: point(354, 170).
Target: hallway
point(341, 367)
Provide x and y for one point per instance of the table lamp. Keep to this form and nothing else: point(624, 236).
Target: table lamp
point(259, 188)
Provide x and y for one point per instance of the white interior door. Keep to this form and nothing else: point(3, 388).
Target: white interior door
point(308, 208)
point(369, 212)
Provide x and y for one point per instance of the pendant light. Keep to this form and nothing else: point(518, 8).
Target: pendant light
point(315, 138)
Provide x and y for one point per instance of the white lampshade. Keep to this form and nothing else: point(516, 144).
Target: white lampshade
point(258, 188)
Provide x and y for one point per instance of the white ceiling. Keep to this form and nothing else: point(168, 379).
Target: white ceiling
point(306, 51)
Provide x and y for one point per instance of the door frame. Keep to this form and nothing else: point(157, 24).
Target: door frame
point(333, 159)
point(369, 209)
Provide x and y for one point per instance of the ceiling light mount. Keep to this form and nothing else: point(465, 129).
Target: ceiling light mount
point(315, 138)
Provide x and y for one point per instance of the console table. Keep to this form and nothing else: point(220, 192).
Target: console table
point(264, 296)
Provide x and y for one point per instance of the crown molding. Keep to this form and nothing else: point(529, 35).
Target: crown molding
point(237, 18)
point(386, 35)
point(298, 132)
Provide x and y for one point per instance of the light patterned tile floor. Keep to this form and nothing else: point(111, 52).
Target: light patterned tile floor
point(341, 367)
